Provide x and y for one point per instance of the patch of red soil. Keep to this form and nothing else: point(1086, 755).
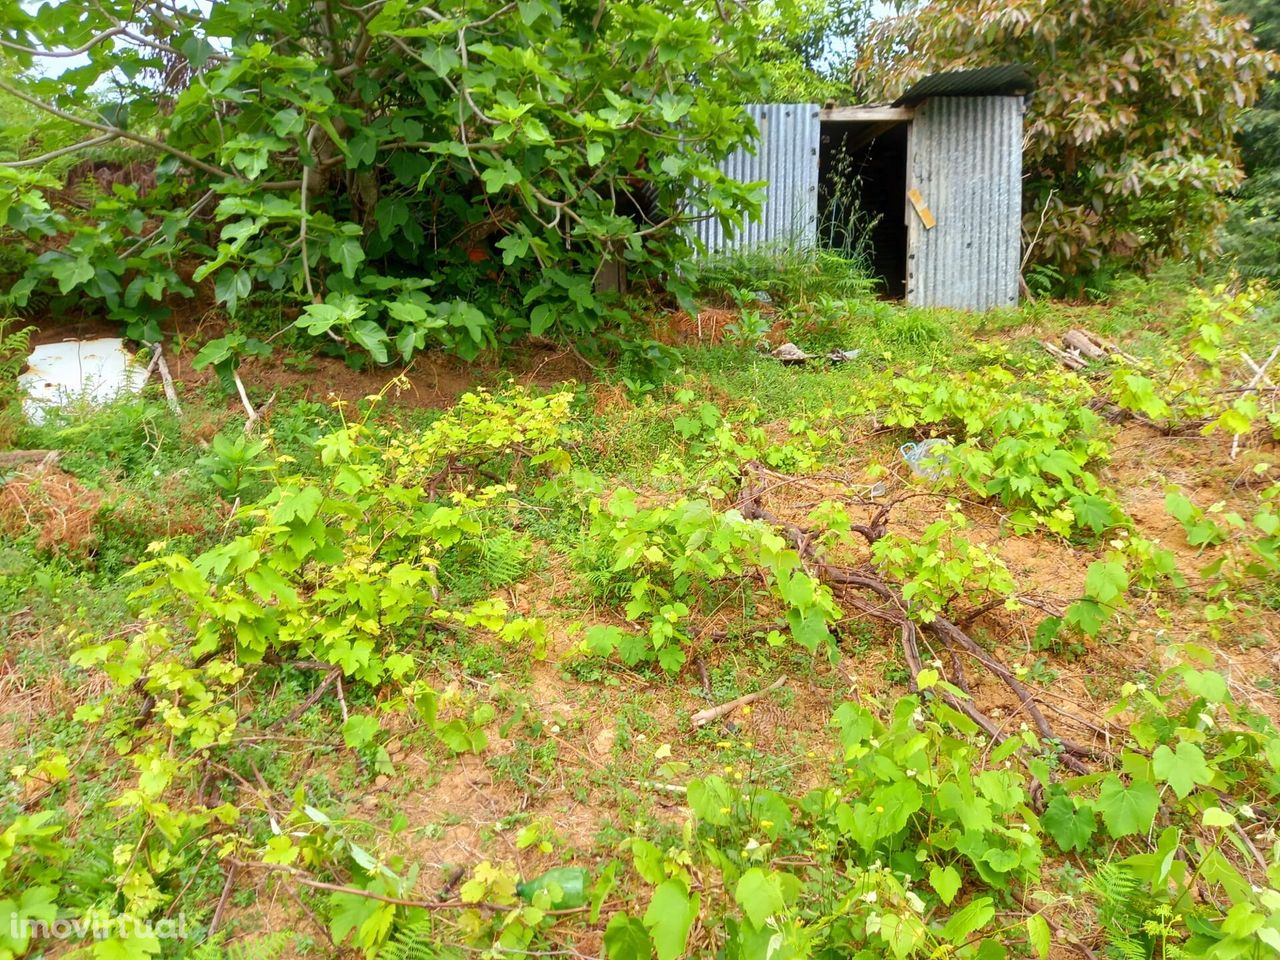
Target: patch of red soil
point(710, 325)
point(432, 380)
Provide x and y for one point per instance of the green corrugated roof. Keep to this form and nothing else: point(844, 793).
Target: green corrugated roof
point(1009, 80)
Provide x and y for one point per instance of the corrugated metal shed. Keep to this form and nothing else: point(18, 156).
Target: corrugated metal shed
point(786, 156)
point(963, 173)
point(965, 158)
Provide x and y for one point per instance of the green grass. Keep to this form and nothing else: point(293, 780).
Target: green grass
point(153, 469)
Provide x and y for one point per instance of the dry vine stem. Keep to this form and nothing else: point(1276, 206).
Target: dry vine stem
point(304, 879)
point(853, 584)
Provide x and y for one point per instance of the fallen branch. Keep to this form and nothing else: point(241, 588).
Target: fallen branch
point(1260, 370)
point(1080, 348)
point(216, 922)
point(1068, 360)
point(703, 717)
point(61, 152)
point(120, 132)
point(894, 609)
point(672, 788)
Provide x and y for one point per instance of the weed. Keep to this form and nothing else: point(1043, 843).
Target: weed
point(788, 273)
point(15, 345)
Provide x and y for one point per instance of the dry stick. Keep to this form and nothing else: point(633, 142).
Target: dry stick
point(151, 367)
point(251, 423)
point(1084, 345)
point(310, 702)
point(911, 650)
point(1259, 375)
point(1094, 347)
point(1066, 359)
point(71, 52)
point(311, 915)
point(244, 397)
point(703, 717)
point(1044, 215)
point(302, 226)
point(704, 676)
point(145, 141)
point(342, 700)
point(1260, 372)
point(222, 901)
point(672, 788)
point(166, 378)
point(121, 133)
point(54, 154)
point(948, 631)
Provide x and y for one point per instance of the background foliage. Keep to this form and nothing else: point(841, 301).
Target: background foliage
point(1130, 133)
point(408, 173)
point(809, 46)
point(1253, 233)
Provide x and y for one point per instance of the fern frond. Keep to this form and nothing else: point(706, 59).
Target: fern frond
point(413, 942)
point(1122, 912)
point(268, 946)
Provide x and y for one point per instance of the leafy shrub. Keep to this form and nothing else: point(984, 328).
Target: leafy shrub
point(787, 273)
point(463, 193)
point(1248, 565)
point(336, 562)
point(941, 565)
point(1196, 386)
point(922, 843)
point(1027, 441)
point(672, 555)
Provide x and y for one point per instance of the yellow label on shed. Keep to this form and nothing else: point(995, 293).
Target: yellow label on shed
point(922, 209)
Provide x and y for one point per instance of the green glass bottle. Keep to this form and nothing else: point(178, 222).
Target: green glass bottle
point(572, 882)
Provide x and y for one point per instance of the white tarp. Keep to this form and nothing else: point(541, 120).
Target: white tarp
point(78, 373)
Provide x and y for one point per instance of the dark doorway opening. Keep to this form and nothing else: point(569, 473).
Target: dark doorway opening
point(862, 189)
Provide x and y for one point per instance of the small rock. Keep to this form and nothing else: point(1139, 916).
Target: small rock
point(602, 745)
point(381, 781)
point(789, 353)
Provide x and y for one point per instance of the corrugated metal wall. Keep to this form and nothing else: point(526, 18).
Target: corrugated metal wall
point(787, 157)
point(965, 158)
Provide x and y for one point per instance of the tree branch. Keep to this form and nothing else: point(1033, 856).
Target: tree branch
point(61, 152)
point(119, 132)
point(83, 48)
